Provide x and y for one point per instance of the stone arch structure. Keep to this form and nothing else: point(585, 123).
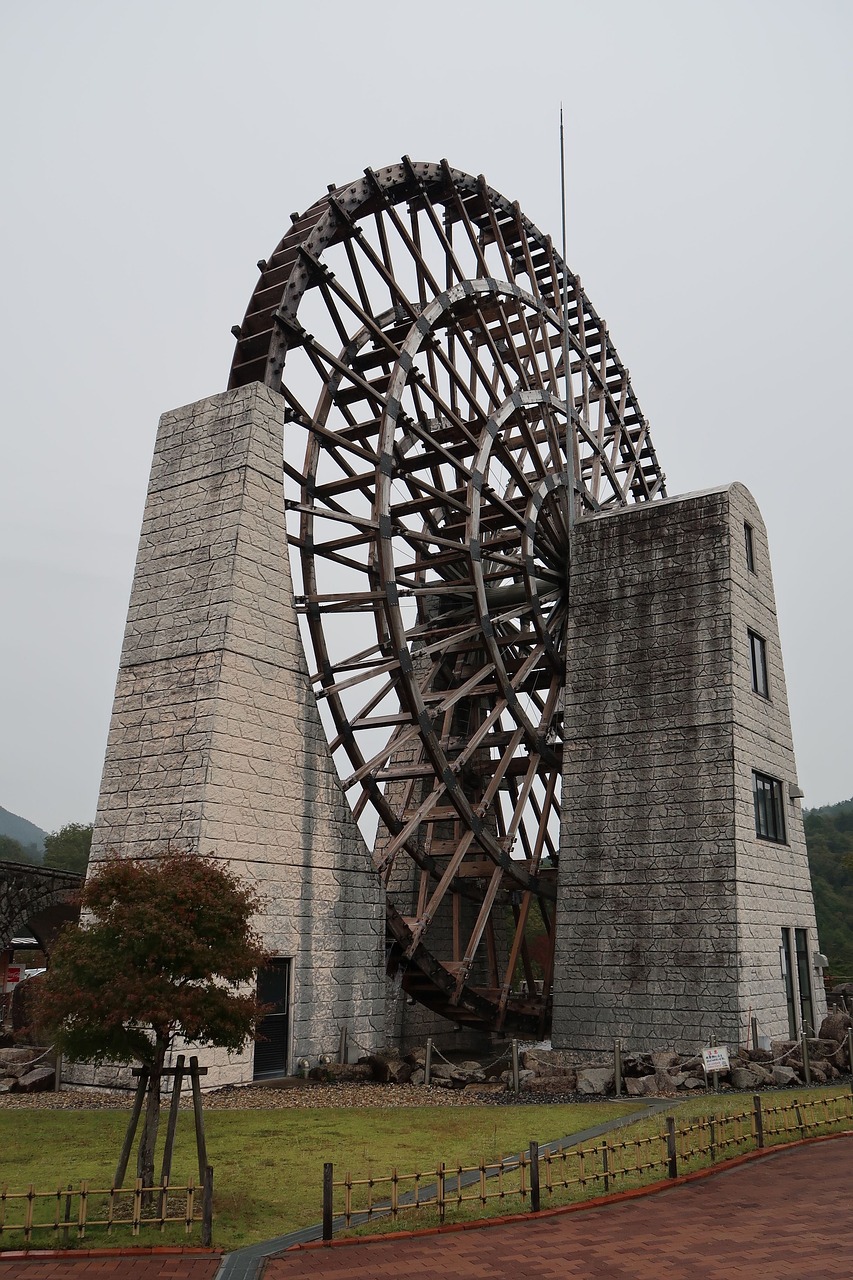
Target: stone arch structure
point(37, 901)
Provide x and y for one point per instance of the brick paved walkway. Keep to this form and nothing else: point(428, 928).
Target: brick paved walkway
point(161, 1266)
point(783, 1217)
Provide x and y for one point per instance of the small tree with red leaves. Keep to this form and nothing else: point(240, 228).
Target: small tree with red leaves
point(165, 947)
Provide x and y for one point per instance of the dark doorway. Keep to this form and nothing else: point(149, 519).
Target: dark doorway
point(801, 944)
point(274, 1029)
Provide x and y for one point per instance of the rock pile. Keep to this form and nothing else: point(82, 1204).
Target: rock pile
point(25, 1070)
point(555, 1073)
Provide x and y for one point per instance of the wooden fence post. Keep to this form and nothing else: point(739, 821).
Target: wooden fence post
point(807, 1066)
point(328, 1200)
point(534, 1177)
point(617, 1066)
point(441, 1172)
point(850, 1049)
point(67, 1216)
point(428, 1060)
point(342, 1047)
point(759, 1120)
point(516, 1083)
point(207, 1208)
point(671, 1148)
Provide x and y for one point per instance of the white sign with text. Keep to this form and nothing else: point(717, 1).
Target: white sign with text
point(716, 1058)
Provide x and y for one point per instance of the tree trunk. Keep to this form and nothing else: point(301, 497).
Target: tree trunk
point(148, 1141)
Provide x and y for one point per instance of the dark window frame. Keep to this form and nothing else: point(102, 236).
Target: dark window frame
point(769, 798)
point(758, 664)
point(749, 542)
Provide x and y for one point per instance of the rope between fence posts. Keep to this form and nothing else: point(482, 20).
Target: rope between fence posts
point(483, 1067)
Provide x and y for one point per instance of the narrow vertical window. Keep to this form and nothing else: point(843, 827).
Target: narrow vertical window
point(758, 664)
point(769, 808)
point(750, 547)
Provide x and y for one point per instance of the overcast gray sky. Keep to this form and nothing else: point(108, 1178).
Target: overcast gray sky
point(153, 151)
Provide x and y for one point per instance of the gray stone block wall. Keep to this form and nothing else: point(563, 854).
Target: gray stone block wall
point(670, 908)
point(774, 886)
point(216, 743)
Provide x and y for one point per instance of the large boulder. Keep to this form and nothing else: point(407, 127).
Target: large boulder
point(341, 1072)
point(640, 1086)
point(595, 1080)
point(783, 1075)
point(23, 1053)
point(441, 1071)
point(36, 1081)
point(553, 1083)
point(637, 1064)
point(835, 1026)
point(387, 1068)
point(744, 1078)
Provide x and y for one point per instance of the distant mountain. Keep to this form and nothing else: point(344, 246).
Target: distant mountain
point(27, 834)
point(829, 836)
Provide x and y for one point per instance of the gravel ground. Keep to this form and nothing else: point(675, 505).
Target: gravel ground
point(249, 1098)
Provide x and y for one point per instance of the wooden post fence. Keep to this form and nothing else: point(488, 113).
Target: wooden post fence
point(207, 1208)
point(759, 1120)
point(671, 1147)
point(534, 1177)
point(328, 1200)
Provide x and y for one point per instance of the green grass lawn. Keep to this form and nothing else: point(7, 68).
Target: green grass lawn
point(268, 1165)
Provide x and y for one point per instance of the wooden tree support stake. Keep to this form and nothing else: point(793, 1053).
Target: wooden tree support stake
point(201, 1145)
point(173, 1119)
point(141, 1086)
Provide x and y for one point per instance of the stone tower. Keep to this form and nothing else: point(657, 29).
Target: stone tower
point(685, 903)
point(216, 743)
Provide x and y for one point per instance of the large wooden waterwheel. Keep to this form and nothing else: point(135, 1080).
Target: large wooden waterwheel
point(413, 322)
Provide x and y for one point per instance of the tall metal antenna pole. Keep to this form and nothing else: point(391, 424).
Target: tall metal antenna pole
point(570, 403)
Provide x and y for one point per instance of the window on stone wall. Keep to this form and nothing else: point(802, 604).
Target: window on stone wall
point(769, 808)
point(750, 547)
point(758, 664)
